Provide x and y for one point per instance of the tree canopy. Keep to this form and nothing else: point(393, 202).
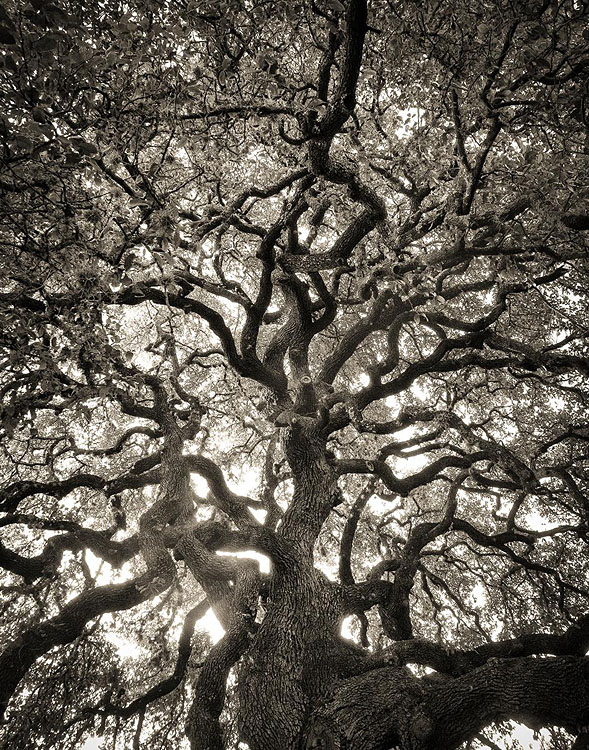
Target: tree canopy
point(305, 279)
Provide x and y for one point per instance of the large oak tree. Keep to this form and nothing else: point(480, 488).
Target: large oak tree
point(303, 278)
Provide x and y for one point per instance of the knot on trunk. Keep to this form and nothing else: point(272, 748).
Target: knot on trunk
point(421, 726)
point(321, 735)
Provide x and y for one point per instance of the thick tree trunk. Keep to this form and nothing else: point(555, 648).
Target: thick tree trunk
point(202, 727)
point(295, 695)
point(290, 663)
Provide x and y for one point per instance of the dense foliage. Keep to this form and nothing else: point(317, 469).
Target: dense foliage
point(304, 278)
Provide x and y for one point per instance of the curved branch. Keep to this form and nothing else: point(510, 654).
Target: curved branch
point(170, 683)
point(202, 726)
point(47, 562)
point(345, 569)
point(234, 505)
point(11, 496)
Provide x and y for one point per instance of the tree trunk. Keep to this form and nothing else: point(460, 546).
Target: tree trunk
point(290, 663)
point(296, 694)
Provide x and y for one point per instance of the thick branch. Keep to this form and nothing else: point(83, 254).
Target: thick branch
point(537, 691)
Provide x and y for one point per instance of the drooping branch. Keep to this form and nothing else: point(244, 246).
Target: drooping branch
point(11, 496)
point(168, 684)
point(403, 486)
point(173, 502)
point(64, 628)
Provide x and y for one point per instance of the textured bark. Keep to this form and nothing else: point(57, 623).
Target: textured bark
point(291, 662)
point(213, 573)
point(538, 691)
point(369, 711)
point(173, 502)
point(389, 706)
point(422, 267)
point(202, 727)
point(293, 692)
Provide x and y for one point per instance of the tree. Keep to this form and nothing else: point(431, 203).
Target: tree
point(329, 258)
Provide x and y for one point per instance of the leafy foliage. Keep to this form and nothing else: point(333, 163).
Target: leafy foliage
point(306, 279)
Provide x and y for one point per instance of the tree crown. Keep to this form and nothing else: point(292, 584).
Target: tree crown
point(306, 279)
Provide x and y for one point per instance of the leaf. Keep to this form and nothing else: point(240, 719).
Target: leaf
point(6, 36)
point(46, 43)
point(83, 147)
point(39, 115)
point(9, 63)
point(72, 158)
point(24, 143)
point(128, 262)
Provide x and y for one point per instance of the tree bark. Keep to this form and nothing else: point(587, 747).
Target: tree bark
point(389, 707)
point(290, 663)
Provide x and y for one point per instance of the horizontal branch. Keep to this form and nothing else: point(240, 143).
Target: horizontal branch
point(537, 691)
point(403, 710)
point(573, 642)
point(12, 495)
